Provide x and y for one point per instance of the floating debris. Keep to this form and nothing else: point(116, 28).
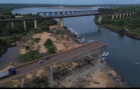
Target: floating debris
point(136, 63)
point(105, 54)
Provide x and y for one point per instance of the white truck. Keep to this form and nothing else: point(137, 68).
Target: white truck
point(10, 72)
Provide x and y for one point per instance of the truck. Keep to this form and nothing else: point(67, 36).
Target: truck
point(9, 72)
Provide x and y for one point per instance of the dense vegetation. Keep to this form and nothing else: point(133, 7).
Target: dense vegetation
point(29, 56)
point(50, 46)
point(129, 25)
point(3, 46)
point(9, 34)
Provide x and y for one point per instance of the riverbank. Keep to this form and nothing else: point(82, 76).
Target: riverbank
point(127, 25)
point(120, 31)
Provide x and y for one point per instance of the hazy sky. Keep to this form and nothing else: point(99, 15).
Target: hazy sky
point(73, 1)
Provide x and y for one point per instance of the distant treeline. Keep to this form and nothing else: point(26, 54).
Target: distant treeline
point(15, 6)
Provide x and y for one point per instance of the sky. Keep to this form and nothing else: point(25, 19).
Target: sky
point(76, 2)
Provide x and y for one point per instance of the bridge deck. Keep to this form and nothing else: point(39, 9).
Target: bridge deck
point(56, 59)
point(65, 14)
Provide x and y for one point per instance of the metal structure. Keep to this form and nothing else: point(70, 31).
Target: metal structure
point(64, 14)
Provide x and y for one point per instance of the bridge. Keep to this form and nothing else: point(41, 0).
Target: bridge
point(66, 14)
point(95, 49)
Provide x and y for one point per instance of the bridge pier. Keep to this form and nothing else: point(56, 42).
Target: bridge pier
point(50, 75)
point(117, 15)
point(120, 15)
point(24, 22)
point(21, 81)
point(12, 23)
point(35, 24)
point(98, 57)
point(123, 15)
point(100, 17)
point(113, 16)
point(130, 14)
point(126, 14)
point(61, 23)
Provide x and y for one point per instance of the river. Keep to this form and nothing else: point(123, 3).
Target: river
point(123, 51)
point(10, 56)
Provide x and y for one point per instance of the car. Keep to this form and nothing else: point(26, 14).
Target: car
point(47, 58)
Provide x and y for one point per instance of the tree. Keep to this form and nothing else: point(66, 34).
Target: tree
point(29, 56)
point(3, 46)
point(48, 43)
point(27, 48)
point(36, 40)
point(52, 49)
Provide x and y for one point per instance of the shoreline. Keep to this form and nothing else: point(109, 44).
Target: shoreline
point(119, 80)
point(115, 29)
point(63, 7)
point(129, 34)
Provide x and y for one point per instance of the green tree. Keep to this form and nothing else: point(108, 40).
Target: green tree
point(27, 48)
point(3, 46)
point(48, 43)
point(52, 49)
point(36, 40)
point(29, 56)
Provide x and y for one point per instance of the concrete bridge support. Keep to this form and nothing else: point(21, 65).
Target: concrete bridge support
point(126, 14)
point(12, 23)
point(24, 22)
point(21, 81)
point(98, 57)
point(116, 15)
point(100, 17)
point(130, 14)
point(35, 24)
point(50, 75)
point(113, 16)
point(120, 15)
point(61, 23)
point(123, 15)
